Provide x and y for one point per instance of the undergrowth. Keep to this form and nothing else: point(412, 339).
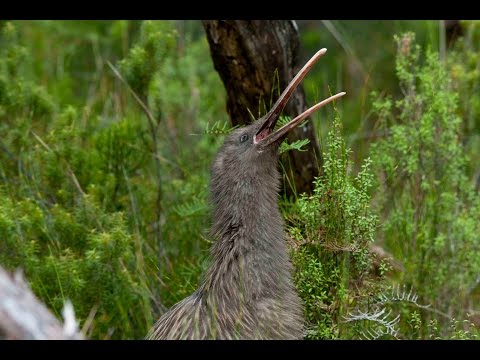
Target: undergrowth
point(429, 209)
point(330, 232)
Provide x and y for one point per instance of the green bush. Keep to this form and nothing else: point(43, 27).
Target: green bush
point(331, 231)
point(464, 70)
point(80, 182)
point(429, 209)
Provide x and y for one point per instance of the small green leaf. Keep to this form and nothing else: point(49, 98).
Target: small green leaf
point(296, 145)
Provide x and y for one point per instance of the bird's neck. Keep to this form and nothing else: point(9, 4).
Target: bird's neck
point(250, 253)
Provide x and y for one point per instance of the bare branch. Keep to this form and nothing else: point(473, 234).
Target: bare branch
point(154, 124)
point(151, 118)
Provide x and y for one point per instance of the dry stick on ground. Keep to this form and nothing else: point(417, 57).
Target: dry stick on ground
point(153, 124)
point(24, 317)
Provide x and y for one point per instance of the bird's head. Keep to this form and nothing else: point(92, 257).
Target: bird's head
point(257, 144)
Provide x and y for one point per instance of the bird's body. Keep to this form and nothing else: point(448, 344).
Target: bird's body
point(248, 290)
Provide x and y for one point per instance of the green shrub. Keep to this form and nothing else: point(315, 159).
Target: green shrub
point(429, 209)
point(331, 232)
point(463, 64)
point(79, 182)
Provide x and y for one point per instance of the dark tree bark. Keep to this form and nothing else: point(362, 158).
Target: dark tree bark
point(454, 30)
point(247, 55)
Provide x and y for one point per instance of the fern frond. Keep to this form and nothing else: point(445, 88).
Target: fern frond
point(401, 296)
point(219, 128)
point(282, 121)
point(386, 325)
point(192, 208)
point(296, 145)
point(285, 119)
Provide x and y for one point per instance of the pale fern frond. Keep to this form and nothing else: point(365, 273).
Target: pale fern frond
point(192, 208)
point(219, 128)
point(385, 324)
point(296, 145)
point(397, 295)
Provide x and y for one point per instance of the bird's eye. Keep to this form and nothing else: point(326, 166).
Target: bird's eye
point(243, 138)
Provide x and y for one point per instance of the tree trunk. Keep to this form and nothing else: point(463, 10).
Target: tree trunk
point(256, 59)
point(453, 30)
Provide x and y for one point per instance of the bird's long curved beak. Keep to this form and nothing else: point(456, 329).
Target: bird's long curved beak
point(265, 135)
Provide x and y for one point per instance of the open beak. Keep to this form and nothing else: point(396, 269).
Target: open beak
point(265, 135)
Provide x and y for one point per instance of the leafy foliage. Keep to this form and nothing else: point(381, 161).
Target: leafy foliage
point(78, 187)
point(464, 70)
point(331, 231)
point(428, 205)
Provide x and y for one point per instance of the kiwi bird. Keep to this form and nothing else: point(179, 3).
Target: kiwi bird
point(248, 290)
